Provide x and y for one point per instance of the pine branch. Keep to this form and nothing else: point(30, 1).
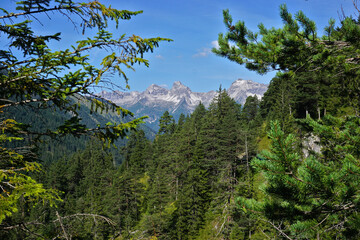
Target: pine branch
point(56, 8)
point(27, 101)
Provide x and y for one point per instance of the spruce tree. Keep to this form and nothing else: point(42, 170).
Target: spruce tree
point(279, 101)
point(127, 197)
point(166, 124)
point(83, 180)
point(193, 195)
point(163, 181)
point(218, 148)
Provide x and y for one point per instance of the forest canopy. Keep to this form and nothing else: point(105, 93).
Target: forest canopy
point(306, 194)
point(284, 166)
point(36, 77)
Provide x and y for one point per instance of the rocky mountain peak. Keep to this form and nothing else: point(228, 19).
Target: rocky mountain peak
point(179, 99)
point(241, 89)
point(179, 89)
point(178, 84)
point(244, 84)
point(156, 90)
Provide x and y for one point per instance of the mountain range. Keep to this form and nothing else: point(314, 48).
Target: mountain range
point(155, 100)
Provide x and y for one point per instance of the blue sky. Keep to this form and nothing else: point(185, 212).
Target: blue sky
point(194, 26)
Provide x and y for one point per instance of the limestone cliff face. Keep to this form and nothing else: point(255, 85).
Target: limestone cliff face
point(311, 144)
point(241, 89)
point(179, 99)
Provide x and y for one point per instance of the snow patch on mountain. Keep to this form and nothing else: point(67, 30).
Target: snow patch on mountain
point(179, 99)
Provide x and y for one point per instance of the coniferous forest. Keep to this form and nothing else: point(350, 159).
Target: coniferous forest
point(286, 166)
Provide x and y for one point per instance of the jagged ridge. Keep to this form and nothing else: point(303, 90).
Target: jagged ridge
point(179, 99)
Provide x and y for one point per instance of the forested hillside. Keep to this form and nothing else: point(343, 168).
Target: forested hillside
point(54, 149)
point(185, 180)
point(285, 167)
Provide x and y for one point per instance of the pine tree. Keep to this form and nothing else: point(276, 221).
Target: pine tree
point(313, 63)
point(316, 196)
point(305, 197)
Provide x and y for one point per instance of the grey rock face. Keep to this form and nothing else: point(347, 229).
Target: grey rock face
point(311, 144)
point(241, 89)
point(179, 99)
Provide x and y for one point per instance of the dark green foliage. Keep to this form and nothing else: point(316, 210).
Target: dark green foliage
point(279, 101)
point(305, 196)
point(198, 178)
point(316, 75)
point(86, 178)
point(167, 124)
point(82, 180)
point(184, 178)
point(312, 195)
point(169, 189)
point(33, 76)
point(127, 196)
point(193, 191)
point(250, 109)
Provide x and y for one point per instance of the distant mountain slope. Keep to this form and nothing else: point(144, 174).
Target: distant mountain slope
point(155, 100)
point(52, 150)
point(241, 89)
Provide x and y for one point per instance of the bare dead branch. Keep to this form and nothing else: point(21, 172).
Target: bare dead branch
point(108, 220)
point(279, 230)
point(62, 226)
